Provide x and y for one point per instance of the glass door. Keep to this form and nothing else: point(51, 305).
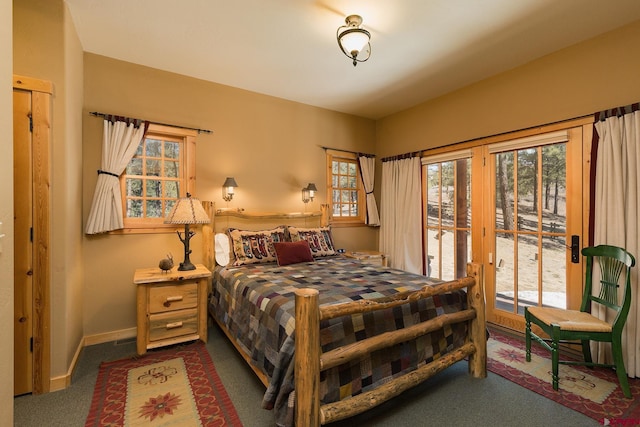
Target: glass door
point(534, 208)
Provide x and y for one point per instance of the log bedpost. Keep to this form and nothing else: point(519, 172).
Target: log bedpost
point(208, 253)
point(478, 328)
point(307, 358)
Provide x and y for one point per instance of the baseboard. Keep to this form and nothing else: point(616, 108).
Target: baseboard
point(64, 381)
point(110, 336)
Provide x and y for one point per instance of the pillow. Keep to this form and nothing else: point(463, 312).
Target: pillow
point(293, 252)
point(319, 239)
point(253, 247)
point(222, 249)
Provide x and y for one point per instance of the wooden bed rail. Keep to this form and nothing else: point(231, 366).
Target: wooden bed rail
point(309, 361)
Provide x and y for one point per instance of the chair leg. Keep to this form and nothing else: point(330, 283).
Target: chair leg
point(527, 335)
point(586, 351)
point(555, 358)
point(616, 349)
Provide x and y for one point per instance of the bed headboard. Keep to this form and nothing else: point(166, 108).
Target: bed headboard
point(222, 219)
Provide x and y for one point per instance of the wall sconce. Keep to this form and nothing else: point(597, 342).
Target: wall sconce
point(353, 40)
point(309, 192)
point(187, 210)
point(228, 189)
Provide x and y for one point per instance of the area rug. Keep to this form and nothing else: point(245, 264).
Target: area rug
point(178, 386)
point(593, 392)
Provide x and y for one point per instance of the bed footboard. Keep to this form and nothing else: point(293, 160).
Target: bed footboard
point(310, 361)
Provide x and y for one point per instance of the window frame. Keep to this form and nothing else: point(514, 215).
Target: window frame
point(350, 221)
point(187, 162)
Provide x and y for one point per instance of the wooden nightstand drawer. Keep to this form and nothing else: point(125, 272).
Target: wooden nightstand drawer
point(173, 324)
point(173, 297)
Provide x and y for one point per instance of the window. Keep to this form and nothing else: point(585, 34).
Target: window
point(161, 171)
point(344, 185)
point(447, 237)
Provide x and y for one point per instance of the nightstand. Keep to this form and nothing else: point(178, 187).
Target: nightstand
point(171, 306)
point(368, 257)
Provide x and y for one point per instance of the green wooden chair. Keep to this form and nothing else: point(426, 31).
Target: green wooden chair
point(580, 326)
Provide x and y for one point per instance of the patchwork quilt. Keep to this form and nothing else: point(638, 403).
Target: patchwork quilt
point(256, 303)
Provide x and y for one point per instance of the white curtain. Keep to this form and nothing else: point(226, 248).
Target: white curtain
point(401, 214)
point(367, 167)
point(119, 144)
point(617, 208)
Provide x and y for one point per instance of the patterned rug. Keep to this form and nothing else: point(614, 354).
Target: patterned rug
point(593, 392)
point(178, 387)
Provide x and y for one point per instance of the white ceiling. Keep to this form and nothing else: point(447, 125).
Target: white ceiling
point(420, 49)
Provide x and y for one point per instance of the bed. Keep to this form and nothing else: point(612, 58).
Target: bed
point(329, 336)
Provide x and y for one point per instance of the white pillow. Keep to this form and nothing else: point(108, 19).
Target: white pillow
point(222, 249)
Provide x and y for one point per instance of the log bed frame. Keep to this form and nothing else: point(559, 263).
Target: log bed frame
point(310, 361)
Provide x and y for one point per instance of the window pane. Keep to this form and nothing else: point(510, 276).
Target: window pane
point(134, 208)
point(554, 178)
point(171, 169)
point(352, 169)
point(344, 196)
point(168, 206)
point(528, 189)
point(153, 148)
point(154, 188)
point(154, 209)
point(171, 189)
point(504, 191)
point(153, 167)
point(505, 280)
point(171, 150)
point(334, 167)
point(134, 167)
point(343, 182)
point(527, 284)
point(134, 187)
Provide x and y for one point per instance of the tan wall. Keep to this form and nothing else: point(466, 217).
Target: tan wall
point(271, 146)
point(46, 47)
point(594, 75)
point(6, 215)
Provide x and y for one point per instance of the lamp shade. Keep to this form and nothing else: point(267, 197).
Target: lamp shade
point(187, 210)
point(353, 41)
point(230, 183)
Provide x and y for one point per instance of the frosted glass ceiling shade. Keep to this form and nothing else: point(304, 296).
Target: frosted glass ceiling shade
point(354, 40)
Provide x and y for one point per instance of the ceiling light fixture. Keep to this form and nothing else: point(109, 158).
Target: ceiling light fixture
point(354, 40)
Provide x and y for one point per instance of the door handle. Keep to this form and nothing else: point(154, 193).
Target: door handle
point(575, 249)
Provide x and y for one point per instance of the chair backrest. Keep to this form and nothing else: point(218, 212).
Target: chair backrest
point(613, 262)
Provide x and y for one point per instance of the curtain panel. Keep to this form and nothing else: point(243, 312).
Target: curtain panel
point(367, 169)
point(120, 140)
point(401, 214)
point(616, 210)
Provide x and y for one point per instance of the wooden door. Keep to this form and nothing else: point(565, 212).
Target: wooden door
point(23, 247)
point(32, 234)
point(535, 212)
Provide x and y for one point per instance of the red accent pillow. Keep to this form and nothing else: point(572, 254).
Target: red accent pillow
point(293, 252)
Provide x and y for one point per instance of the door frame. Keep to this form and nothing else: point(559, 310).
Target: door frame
point(41, 91)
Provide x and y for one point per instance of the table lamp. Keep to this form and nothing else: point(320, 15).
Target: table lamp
point(187, 210)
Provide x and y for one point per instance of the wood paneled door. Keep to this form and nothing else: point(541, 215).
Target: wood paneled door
point(31, 139)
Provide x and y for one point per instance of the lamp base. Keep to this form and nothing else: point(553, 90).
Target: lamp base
point(186, 266)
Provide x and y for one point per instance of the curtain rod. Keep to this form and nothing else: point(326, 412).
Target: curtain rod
point(402, 156)
point(359, 153)
point(104, 115)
